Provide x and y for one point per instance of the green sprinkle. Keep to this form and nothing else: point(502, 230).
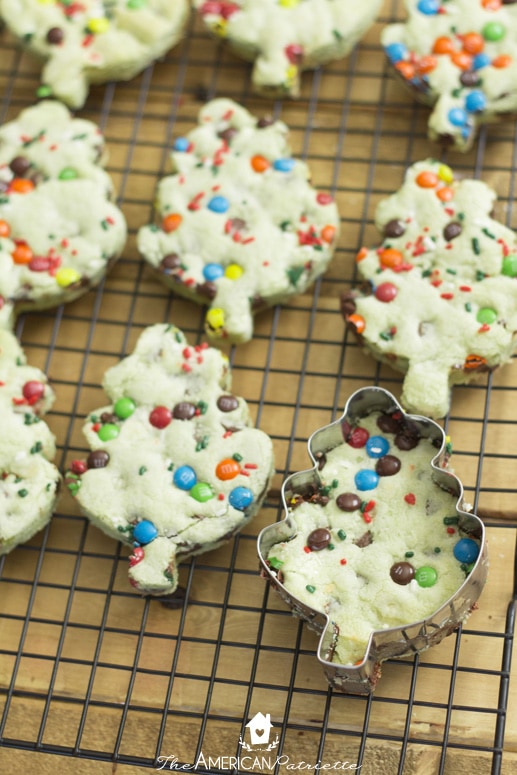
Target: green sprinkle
point(480, 276)
point(451, 520)
point(310, 588)
point(335, 483)
point(461, 216)
point(488, 233)
point(30, 419)
point(341, 534)
point(468, 307)
point(237, 457)
point(38, 446)
point(294, 274)
point(142, 470)
point(337, 34)
point(23, 493)
point(285, 225)
point(330, 546)
point(202, 444)
point(202, 406)
point(275, 562)
point(437, 550)
point(426, 273)
point(409, 554)
point(475, 246)
point(73, 487)
point(385, 336)
point(451, 271)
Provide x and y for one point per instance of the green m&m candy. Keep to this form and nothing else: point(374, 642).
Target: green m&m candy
point(426, 576)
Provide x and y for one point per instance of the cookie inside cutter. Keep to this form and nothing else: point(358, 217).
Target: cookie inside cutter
point(350, 541)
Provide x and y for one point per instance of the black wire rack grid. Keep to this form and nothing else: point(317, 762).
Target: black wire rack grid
point(92, 676)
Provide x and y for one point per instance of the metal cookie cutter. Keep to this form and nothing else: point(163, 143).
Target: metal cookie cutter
point(389, 642)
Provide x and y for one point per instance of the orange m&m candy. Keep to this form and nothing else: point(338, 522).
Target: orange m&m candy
point(5, 229)
point(427, 179)
point(21, 185)
point(357, 321)
point(473, 43)
point(22, 254)
point(227, 469)
point(259, 163)
point(443, 45)
point(390, 258)
point(328, 233)
point(171, 222)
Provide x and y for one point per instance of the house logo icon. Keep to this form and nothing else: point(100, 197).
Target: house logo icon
point(260, 732)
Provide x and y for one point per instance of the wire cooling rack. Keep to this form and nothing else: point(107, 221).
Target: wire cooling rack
point(94, 678)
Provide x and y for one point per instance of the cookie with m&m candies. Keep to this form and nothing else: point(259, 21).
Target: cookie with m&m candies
point(440, 299)
point(91, 42)
point(175, 466)
point(283, 38)
point(239, 226)
point(59, 230)
point(29, 480)
point(459, 56)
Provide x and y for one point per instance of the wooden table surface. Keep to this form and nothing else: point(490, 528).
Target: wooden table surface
point(95, 679)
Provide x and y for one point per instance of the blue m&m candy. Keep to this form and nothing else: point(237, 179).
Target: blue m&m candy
point(466, 550)
point(429, 7)
point(145, 532)
point(284, 165)
point(184, 477)
point(396, 52)
point(181, 144)
point(377, 446)
point(240, 498)
point(365, 479)
point(475, 101)
point(218, 204)
point(480, 60)
point(213, 272)
point(457, 116)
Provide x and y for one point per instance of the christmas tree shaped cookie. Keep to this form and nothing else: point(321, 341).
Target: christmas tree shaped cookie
point(93, 41)
point(441, 298)
point(376, 550)
point(461, 57)
point(175, 467)
point(59, 231)
point(284, 37)
point(240, 226)
point(29, 481)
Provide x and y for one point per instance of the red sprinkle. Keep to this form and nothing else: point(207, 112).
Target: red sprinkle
point(307, 549)
point(451, 531)
point(482, 329)
point(410, 498)
point(342, 562)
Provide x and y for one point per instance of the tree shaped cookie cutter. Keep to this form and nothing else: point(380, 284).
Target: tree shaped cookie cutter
point(391, 642)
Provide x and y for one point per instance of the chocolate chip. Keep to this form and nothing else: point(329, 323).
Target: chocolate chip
point(365, 540)
point(110, 417)
point(388, 423)
point(227, 403)
point(452, 230)
point(264, 122)
point(389, 465)
point(348, 305)
point(184, 411)
point(99, 458)
point(402, 573)
point(227, 134)
point(406, 441)
point(238, 223)
point(469, 78)
point(394, 228)
point(319, 539)
point(208, 290)
point(55, 36)
point(20, 165)
point(170, 263)
point(348, 501)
